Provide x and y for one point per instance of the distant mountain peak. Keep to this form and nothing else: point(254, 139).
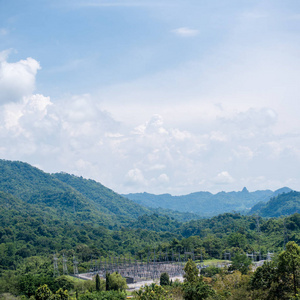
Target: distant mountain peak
point(244, 190)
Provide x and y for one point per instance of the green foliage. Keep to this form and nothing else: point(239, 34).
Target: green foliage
point(116, 282)
point(152, 292)
point(264, 276)
point(191, 272)
point(281, 205)
point(107, 281)
point(104, 295)
point(194, 287)
point(241, 263)
point(210, 271)
point(103, 198)
point(156, 222)
point(233, 286)
point(98, 286)
point(60, 295)
point(64, 283)
point(280, 279)
point(29, 283)
point(43, 293)
point(289, 266)
point(197, 291)
point(164, 279)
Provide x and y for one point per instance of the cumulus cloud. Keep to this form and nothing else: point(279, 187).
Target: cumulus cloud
point(135, 176)
point(223, 178)
point(163, 178)
point(185, 32)
point(16, 79)
point(77, 135)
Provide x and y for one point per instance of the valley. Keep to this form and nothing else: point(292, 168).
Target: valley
point(43, 214)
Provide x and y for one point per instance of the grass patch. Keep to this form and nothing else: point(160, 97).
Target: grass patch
point(74, 279)
point(215, 261)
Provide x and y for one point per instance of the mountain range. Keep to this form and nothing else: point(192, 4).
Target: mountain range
point(68, 197)
point(207, 204)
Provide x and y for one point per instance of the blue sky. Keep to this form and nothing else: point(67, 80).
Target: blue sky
point(156, 96)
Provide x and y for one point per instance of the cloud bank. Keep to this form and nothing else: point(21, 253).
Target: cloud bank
point(157, 145)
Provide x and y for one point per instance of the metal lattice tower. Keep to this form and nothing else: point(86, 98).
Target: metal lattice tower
point(257, 224)
point(251, 255)
point(269, 256)
point(65, 268)
point(75, 266)
point(189, 254)
point(227, 256)
point(286, 239)
point(167, 256)
point(258, 232)
point(55, 272)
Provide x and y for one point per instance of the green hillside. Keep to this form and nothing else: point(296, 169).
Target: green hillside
point(50, 195)
point(103, 198)
point(282, 205)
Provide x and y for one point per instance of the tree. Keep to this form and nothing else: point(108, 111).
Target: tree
point(60, 295)
point(280, 278)
point(97, 283)
point(191, 273)
point(117, 282)
point(43, 293)
point(152, 292)
point(264, 276)
point(241, 263)
point(107, 281)
point(164, 279)
point(63, 282)
point(194, 288)
point(289, 265)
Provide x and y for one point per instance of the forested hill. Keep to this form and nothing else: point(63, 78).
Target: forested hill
point(102, 197)
point(205, 203)
point(282, 205)
point(66, 197)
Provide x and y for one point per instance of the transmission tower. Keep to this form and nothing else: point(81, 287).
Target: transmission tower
point(75, 266)
point(286, 239)
point(55, 272)
point(258, 233)
point(269, 256)
point(65, 268)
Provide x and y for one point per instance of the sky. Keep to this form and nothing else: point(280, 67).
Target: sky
point(168, 96)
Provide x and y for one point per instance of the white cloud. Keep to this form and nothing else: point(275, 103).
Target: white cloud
point(163, 178)
point(16, 79)
point(135, 177)
point(223, 178)
point(185, 32)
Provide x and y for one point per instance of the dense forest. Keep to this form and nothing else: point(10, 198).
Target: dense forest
point(44, 214)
